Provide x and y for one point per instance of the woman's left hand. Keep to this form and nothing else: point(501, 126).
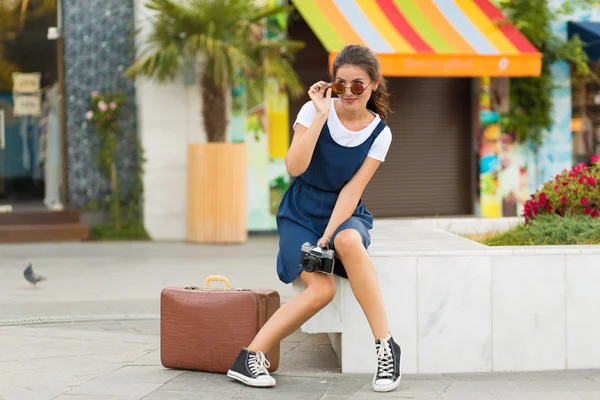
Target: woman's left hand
point(323, 242)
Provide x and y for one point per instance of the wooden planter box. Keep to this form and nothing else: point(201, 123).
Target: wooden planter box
point(216, 193)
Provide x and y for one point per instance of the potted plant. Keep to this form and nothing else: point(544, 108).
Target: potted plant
point(223, 40)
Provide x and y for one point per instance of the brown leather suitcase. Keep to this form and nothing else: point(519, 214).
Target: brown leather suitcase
point(204, 329)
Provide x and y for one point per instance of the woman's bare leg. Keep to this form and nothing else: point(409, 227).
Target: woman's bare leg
point(320, 290)
point(363, 279)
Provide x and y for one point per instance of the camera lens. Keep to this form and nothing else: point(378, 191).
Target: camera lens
point(310, 263)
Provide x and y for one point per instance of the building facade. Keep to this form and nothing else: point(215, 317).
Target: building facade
point(432, 166)
point(575, 134)
point(49, 157)
point(439, 162)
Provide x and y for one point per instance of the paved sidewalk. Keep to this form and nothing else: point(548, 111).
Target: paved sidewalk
point(121, 360)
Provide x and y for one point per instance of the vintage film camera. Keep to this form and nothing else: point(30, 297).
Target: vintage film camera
point(316, 258)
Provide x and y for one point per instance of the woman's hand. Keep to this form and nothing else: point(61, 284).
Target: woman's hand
point(323, 243)
point(322, 104)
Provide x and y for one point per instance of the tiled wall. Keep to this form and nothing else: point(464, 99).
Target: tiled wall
point(99, 45)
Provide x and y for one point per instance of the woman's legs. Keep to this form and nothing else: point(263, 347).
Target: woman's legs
point(365, 286)
point(350, 250)
point(320, 290)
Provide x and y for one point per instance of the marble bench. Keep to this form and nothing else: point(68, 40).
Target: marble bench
point(459, 306)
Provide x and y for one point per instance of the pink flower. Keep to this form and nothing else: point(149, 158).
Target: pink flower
point(591, 181)
point(530, 210)
point(595, 214)
point(102, 106)
point(595, 158)
point(89, 115)
point(563, 200)
point(583, 201)
point(581, 179)
point(113, 105)
point(95, 94)
point(588, 210)
point(542, 200)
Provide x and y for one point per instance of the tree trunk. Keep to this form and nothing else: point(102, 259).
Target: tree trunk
point(213, 110)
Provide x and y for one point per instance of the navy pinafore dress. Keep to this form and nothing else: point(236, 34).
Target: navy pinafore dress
point(308, 203)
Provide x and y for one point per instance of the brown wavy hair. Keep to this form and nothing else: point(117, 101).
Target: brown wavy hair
point(364, 58)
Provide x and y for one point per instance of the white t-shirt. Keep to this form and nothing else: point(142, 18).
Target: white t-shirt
point(346, 137)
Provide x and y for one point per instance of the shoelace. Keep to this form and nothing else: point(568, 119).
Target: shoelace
point(385, 360)
point(258, 364)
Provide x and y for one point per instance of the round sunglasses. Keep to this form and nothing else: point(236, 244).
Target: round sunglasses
point(356, 88)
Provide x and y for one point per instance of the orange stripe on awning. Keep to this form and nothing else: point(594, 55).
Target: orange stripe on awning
point(446, 30)
point(338, 22)
point(382, 22)
point(487, 27)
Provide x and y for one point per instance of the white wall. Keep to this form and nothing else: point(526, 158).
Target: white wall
point(169, 117)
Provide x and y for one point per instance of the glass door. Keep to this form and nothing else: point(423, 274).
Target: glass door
point(30, 161)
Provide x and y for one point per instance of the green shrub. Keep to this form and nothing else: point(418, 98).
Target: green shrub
point(134, 231)
point(550, 229)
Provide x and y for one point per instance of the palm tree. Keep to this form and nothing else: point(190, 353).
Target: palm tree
point(226, 37)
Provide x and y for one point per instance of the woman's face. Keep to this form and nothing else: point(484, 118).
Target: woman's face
point(349, 75)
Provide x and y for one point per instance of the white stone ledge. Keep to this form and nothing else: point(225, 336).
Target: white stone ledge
point(475, 309)
point(492, 251)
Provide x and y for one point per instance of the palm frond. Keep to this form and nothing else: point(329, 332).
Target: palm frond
point(223, 59)
point(283, 71)
point(227, 36)
point(162, 64)
point(165, 7)
point(263, 12)
point(265, 18)
point(281, 46)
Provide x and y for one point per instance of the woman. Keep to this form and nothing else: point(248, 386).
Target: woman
point(337, 146)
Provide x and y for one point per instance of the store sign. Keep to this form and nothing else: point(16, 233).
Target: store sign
point(28, 105)
point(26, 82)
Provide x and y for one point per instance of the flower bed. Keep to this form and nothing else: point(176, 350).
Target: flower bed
point(570, 193)
point(550, 229)
point(564, 211)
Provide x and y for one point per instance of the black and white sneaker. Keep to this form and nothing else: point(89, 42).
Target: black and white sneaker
point(389, 365)
point(250, 368)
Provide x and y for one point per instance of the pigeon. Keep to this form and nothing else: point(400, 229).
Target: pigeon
point(31, 276)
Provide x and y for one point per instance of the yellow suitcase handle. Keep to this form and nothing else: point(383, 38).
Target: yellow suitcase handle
point(217, 278)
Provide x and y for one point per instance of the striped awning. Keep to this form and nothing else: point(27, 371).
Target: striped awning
point(425, 37)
